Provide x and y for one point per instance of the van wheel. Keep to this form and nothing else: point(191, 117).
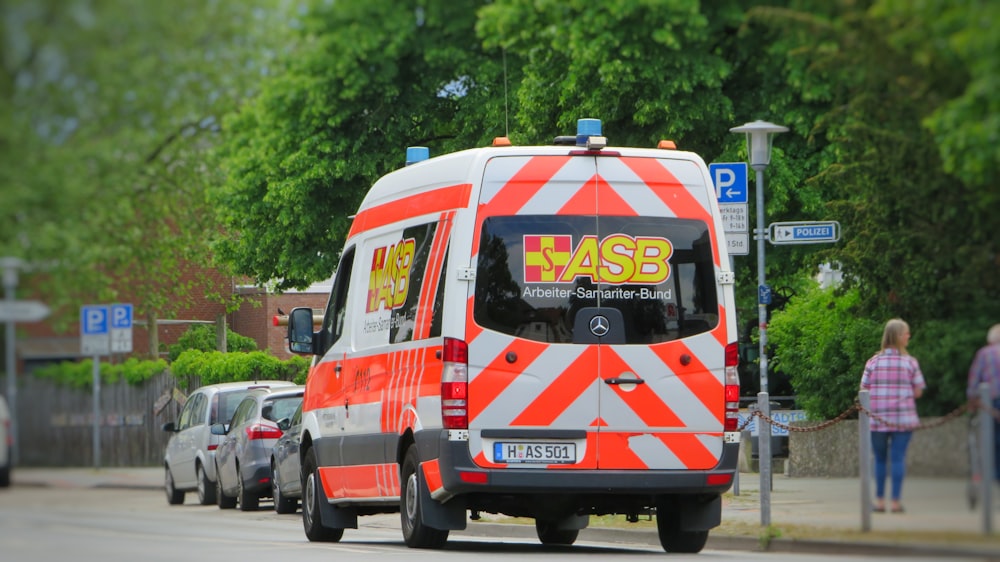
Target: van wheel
point(248, 501)
point(206, 488)
point(224, 501)
point(549, 533)
point(311, 519)
point(174, 496)
point(673, 539)
point(415, 533)
point(282, 504)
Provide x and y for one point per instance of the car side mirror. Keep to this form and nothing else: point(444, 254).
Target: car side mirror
point(218, 429)
point(169, 426)
point(300, 331)
point(284, 424)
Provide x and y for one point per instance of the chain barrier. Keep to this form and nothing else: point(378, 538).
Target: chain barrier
point(856, 407)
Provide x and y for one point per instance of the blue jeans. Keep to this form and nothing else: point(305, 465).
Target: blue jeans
point(996, 440)
point(891, 446)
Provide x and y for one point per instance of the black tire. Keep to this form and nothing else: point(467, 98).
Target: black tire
point(206, 488)
point(550, 534)
point(248, 501)
point(673, 539)
point(312, 522)
point(224, 501)
point(282, 504)
point(174, 496)
point(415, 533)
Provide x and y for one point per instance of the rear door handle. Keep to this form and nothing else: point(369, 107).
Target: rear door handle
point(619, 380)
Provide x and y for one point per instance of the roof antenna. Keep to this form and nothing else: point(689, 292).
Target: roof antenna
point(506, 112)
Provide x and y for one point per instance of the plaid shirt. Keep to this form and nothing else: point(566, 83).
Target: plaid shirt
point(985, 368)
point(892, 378)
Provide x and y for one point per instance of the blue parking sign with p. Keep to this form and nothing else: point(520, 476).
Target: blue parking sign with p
point(94, 320)
point(730, 179)
point(121, 316)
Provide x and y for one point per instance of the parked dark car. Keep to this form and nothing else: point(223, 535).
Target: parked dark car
point(286, 477)
point(243, 459)
point(189, 457)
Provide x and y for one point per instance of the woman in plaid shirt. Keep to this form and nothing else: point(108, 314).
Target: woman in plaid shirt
point(894, 380)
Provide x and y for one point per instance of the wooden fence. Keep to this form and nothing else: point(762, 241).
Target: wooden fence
point(55, 422)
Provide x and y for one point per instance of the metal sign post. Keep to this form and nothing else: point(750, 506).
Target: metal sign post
point(95, 340)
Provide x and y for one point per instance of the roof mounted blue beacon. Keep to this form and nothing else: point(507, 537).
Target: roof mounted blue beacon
point(588, 134)
point(416, 154)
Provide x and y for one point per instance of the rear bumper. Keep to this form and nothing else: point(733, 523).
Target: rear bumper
point(457, 469)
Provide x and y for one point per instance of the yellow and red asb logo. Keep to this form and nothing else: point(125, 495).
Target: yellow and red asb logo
point(618, 259)
point(389, 280)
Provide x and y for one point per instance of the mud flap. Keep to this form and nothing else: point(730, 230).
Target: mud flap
point(335, 517)
point(695, 513)
point(448, 516)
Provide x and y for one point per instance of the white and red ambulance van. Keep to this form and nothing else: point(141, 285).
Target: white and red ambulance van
point(537, 331)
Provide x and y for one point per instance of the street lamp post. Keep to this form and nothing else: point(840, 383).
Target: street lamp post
point(760, 134)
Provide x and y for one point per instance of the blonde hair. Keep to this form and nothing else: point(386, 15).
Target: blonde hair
point(993, 336)
point(892, 335)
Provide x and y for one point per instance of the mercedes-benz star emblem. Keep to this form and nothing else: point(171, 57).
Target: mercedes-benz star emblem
point(599, 326)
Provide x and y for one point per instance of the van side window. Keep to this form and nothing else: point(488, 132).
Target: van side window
point(438, 306)
point(333, 320)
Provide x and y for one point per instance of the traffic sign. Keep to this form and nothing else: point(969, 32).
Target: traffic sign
point(738, 243)
point(22, 311)
point(735, 217)
point(121, 328)
point(730, 179)
point(94, 330)
point(804, 232)
point(763, 294)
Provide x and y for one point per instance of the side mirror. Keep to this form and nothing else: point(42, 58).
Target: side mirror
point(218, 429)
point(284, 424)
point(300, 331)
point(170, 427)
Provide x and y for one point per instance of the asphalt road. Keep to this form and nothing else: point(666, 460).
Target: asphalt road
point(124, 525)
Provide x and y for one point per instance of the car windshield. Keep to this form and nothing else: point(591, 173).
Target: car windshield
point(284, 407)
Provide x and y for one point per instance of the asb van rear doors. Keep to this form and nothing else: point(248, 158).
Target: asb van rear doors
point(595, 337)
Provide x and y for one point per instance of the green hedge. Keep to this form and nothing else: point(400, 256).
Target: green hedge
point(80, 374)
point(214, 367)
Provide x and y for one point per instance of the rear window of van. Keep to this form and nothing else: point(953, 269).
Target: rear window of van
point(535, 272)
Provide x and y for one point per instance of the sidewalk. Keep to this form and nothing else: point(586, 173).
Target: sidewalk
point(807, 514)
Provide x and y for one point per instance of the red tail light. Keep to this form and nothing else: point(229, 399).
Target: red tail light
point(455, 385)
point(263, 431)
point(732, 387)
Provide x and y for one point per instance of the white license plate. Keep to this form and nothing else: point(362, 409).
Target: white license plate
point(533, 452)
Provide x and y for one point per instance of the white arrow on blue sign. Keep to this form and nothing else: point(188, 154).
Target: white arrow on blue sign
point(800, 232)
point(730, 179)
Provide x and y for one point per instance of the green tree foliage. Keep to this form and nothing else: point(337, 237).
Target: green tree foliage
point(203, 338)
point(824, 341)
point(80, 374)
point(194, 367)
point(106, 113)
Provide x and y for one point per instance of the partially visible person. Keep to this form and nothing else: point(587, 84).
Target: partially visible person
point(986, 369)
point(893, 378)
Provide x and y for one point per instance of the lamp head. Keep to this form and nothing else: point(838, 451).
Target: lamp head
point(760, 134)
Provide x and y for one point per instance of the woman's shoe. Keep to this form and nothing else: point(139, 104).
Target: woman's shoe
point(897, 508)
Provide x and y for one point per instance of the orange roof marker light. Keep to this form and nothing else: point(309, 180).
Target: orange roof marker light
point(667, 145)
point(501, 141)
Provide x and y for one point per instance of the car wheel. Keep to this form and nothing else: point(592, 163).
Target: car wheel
point(415, 533)
point(549, 533)
point(206, 488)
point(673, 539)
point(311, 519)
point(224, 501)
point(281, 503)
point(174, 496)
point(247, 500)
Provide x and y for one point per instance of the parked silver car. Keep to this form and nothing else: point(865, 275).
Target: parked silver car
point(189, 458)
point(286, 477)
point(243, 459)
